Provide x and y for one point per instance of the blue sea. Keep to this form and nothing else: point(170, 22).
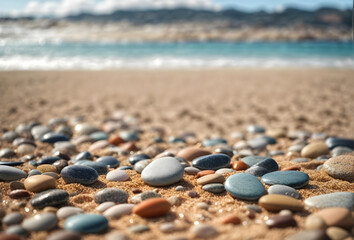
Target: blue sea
point(42, 55)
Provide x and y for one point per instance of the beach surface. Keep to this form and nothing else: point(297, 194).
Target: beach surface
point(206, 102)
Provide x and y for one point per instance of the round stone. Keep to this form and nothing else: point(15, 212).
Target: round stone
point(118, 211)
point(167, 227)
point(276, 202)
point(257, 143)
point(12, 218)
point(86, 223)
point(65, 147)
point(109, 161)
point(40, 222)
point(281, 221)
point(337, 217)
point(79, 174)
point(224, 170)
point(111, 195)
point(141, 165)
point(46, 168)
point(117, 175)
point(162, 172)
point(8, 173)
point(99, 167)
point(299, 160)
point(85, 129)
point(138, 157)
point(341, 167)
point(68, 211)
point(39, 183)
point(295, 179)
point(39, 131)
point(152, 207)
point(128, 136)
point(191, 170)
point(16, 185)
point(283, 190)
point(24, 149)
point(252, 160)
point(337, 151)
point(309, 235)
point(139, 228)
point(149, 194)
point(315, 149)
point(7, 153)
point(212, 162)
point(50, 197)
point(64, 235)
point(255, 129)
point(52, 137)
point(211, 178)
point(17, 230)
point(337, 199)
point(213, 142)
point(214, 187)
point(98, 136)
point(19, 193)
point(104, 206)
point(203, 231)
point(337, 233)
point(191, 153)
point(244, 186)
point(9, 136)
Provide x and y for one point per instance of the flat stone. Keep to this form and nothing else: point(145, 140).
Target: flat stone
point(257, 143)
point(24, 149)
point(51, 197)
point(85, 155)
point(281, 221)
point(118, 211)
point(191, 170)
point(191, 153)
point(203, 231)
point(7, 153)
point(100, 168)
point(139, 228)
point(64, 235)
point(337, 233)
point(8, 173)
point(175, 201)
point(309, 235)
point(337, 151)
point(52, 137)
point(48, 160)
point(98, 136)
point(128, 136)
point(19, 141)
point(244, 186)
point(66, 130)
point(314, 150)
point(333, 142)
point(82, 139)
point(239, 165)
point(255, 129)
point(16, 185)
point(98, 145)
point(211, 162)
point(231, 219)
point(109, 161)
point(337, 217)
point(341, 167)
point(68, 211)
point(11, 163)
point(60, 164)
point(257, 171)
point(46, 168)
point(299, 160)
point(276, 153)
point(138, 157)
point(12, 218)
point(224, 150)
point(19, 193)
point(40, 222)
point(79, 174)
point(276, 202)
point(252, 160)
point(295, 179)
point(117, 175)
point(296, 148)
point(204, 173)
point(211, 178)
point(104, 206)
point(337, 199)
point(263, 167)
point(314, 222)
point(213, 142)
point(39, 183)
point(85, 129)
point(214, 187)
point(168, 227)
point(153, 207)
point(224, 170)
point(149, 194)
point(141, 165)
point(162, 172)
point(39, 131)
point(16, 230)
point(111, 195)
point(9, 136)
point(283, 190)
point(86, 223)
point(34, 172)
point(65, 147)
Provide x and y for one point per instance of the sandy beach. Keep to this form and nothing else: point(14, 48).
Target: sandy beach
point(206, 102)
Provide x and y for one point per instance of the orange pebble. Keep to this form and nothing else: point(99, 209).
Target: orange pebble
point(115, 140)
point(233, 219)
point(294, 167)
point(152, 207)
point(239, 165)
point(129, 146)
point(204, 173)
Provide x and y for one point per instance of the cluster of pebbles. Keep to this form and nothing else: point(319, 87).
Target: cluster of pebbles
point(73, 180)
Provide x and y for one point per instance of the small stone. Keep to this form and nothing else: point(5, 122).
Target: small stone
point(47, 160)
point(149, 194)
point(141, 165)
point(98, 145)
point(111, 195)
point(7, 153)
point(100, 168)
point(40, 222)
point(203, 231)
point(115, 140)
point(211, 162)
point(137, 158)
point(333, 142)
point(193, 194)
point(12, 218)
point(60, 164)
point(244, 186)
point(295, 179)
point(65, 147)
point(117, 175)
point(79, 174)
point(224, 170)
point(336, 233)
point(68, 211)
point(64, 235)
point(341, 167)
point(52, 137)
point(82, 156)
point(257, 143)
point(19, 193)
point(51, 174)
point(227, 151)
point(231, 219)
point(50, 197)
point(337, 151)
point(254, 208)
point(283, 190)
point(9, 136)
point(299, 160)
point(138, 228)
point(214, 188)
point(252, 160)
point(16, 230)
point(211, 178)
point(314, 222)
point(292, 168)
point(104, 206)
point(85, 129)
point(167, 227)
point(34, 172)
point(39, 183)
point(281, 221)
point(46, 168)
point(213, 142)
point(98, 136)
point(8, 173)
point(314, 150)
point(175, 201)
point(117, 211)
point(239, 165)
point(116, 236)
point(309, 235)
point(50, 209)
point(338, 199)
point(153, 207)
point(275, 202)
point(190, 153)
point(191, 170)
point(109, 161)
point(128, 136)
point(14, 185)
point(203, 205)
point(337, 217)
point(180, 188)
point(86, 223)
point(204, 173)
point(285, 212)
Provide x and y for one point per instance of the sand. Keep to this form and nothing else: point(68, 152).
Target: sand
point(206, 102)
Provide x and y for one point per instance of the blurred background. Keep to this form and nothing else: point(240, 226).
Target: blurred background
point(116, 34)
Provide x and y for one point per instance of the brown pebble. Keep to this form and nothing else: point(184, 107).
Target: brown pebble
point(314, 222)
point(9, 237)
point(277, 202)
point(233, 219)
point(19, 193)
point(193, 194)
point(281, 221)
point(46, 168)
point(292, 168)
point(250, 214)
point(204, 173)
point(115, 140)
point(191, 153)
point(211, 178)
point(50, 209)
point(38, 183)
point(239, 165)
point(64, 235)
point(340, 167)
point(136, 190)
point(16, 185)
point(152, 207)
point(52, 174)
point(60, 164)
point(129, 146)
point(315, 149)
point(338, 217)
point(336, 233)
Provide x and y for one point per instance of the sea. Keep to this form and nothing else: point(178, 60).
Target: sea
point(19, 54)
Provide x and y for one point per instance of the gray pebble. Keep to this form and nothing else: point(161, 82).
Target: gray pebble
point(8, 173)
point(64, 235)
point(117, 175)
point(9, 136)
point(139, 166)
point(191, 170)
point(111, 195)
point(224, 170)
point(138, 228)
point(299, 160)
point(174, 201)
point(68, 211)
point(40, 222)
point(50, 197)
point(119, 210)
point(337, 151)
point(7, 153)
point(167, 227)
point(283, 190)
point(214, 187)
point(12, 218)
point(149, 194)
point(254, 208)
point(204, 231)
point(104, 206)
point(180, 188)
point(17, 230)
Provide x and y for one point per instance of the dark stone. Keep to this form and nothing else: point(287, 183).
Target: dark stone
point(51, 197)
point(138, 157)
point(47, 160)
point(281, 221)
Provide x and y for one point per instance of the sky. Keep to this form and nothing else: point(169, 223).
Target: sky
point(60, 8)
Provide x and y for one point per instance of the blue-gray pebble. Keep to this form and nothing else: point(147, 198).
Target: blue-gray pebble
point(295, 179)
point(138, 157)
point(244, 186)
point(214, 187)
point(52, 137)
point(333, 142)
point(213, 141)
point(79, 174)
point(337, 199)
point(99, 167)
point(86, 223)
point(252, 160)
point(8, 173)
point(51, 197)
point(109, 161)
point(111, 195)
point(283, 190)
point(212, 162)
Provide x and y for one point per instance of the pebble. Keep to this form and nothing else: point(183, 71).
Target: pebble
point(34, 172)
point(24, 149)
point(337, 199)
point(212, 162)
point(60, 164)
point(281, 221)
point(337, 217)
point(39, 131)
point(17, 230)
point(117, 175)
point(98, 145)
point(79, 174)
point(162, 172)
point(227, 151)
point(180, 188)
point(193, 194)
point(117, 211)
point(337, 151)
point(336, 233)
point(16, 185)
point(8, 173)
point(299, 160)
point(86, 223)
point(314, 149)
point(314, 222)
point(257, 171)
point(48, 160)
point(283, 190)
point(153, 207)
point(255, 129)
point(340, 167)
point(276, 202)
point(263, 167)
point(295, 179)
point(175, 201)
point(309, 235)
point(109, 161)
point(40, 222)
point(11, 163)
point(138, 228)
point(116, 236)
point(115, 140)
point(46, 168)
point(141, 165)
point(68, 211)
point(50, 197)
point(276, 153)
point(98, 136)
point(203, 205)
point(19, 193)
point(12, 218)
point(191, 170)
point(52, 137)
point(100, 168)
point(83, 156)
point(128, 136)
point(214, 187)
point(85, 129)
point(167, 227)
point(213, 141)
point(204, 173)
point(65, 147)
point(333, 142)
point(190, 153)
point(257, 143)
point(64, 235)
point(244, 186)
point(252, 160)
point(239, 165)
point(231, 219)
point(149, 194)
point(111, 195)
point(138, 157)
point(9, 136)
point(211, 178)
point(52, 174)
point(224, 170)
point(203, 231)
point(254, 208)
point(296, 148)
point(104, 206)
point(7, 153)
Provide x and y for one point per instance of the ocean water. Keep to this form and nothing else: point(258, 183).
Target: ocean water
point(50, 55)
